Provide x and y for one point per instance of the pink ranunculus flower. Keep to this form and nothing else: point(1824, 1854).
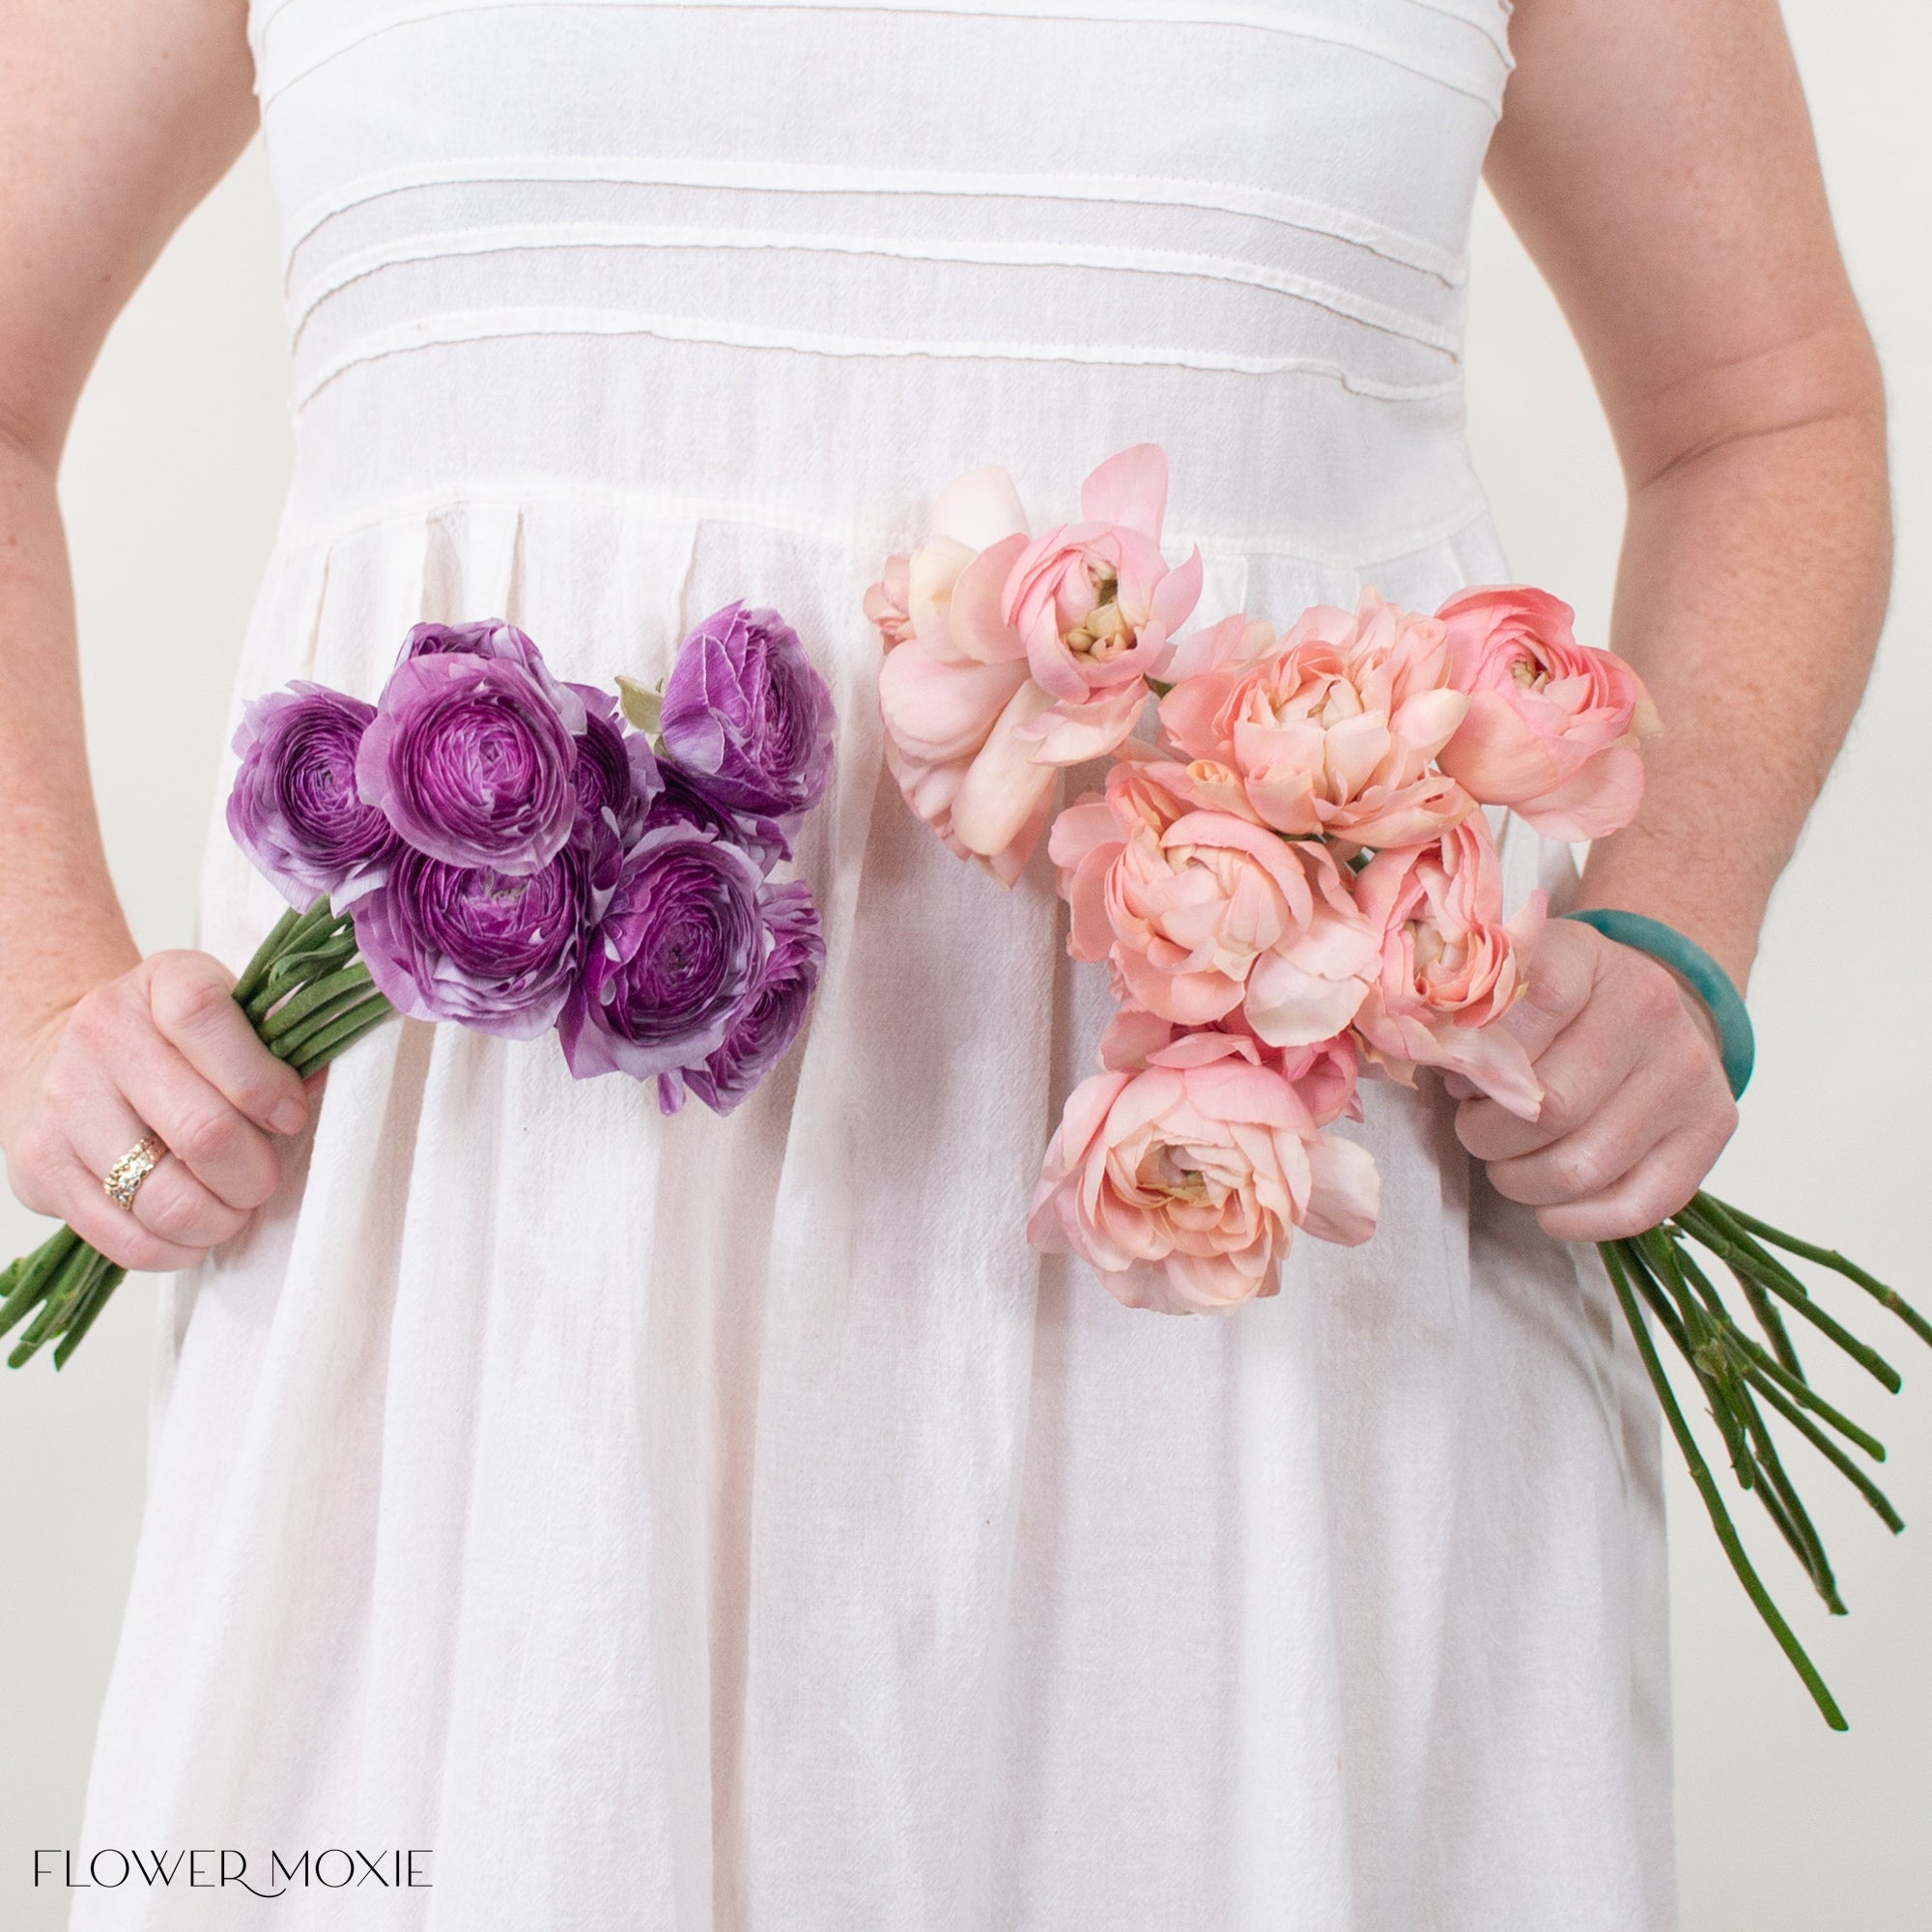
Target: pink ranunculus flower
point(1095, 608)
point(1236, 639)
point(1323, 1073)
point(1552, 726)
point(1335, 731)
point(1451, 966)
point(954, 688)
point(1200, 911)
point(887, 603)
point(1182, 1183)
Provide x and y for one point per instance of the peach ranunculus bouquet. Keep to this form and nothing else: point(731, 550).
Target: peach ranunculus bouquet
point(1291, 878)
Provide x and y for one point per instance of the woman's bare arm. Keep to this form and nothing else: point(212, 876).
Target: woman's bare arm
point(1656, 159)
point(116, 116)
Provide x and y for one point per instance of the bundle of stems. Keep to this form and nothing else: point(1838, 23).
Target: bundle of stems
point(1741, 1374)
point(309, 997)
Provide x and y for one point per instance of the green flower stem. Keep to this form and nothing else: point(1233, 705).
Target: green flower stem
point(291, 1045)
point(249, 983)
point(319, 942)
point(62, 1292)
point(1704, 1349)
point(1749, 1261)
point(105, 1281)
point(1763, 1311)
point(318, 993)
point(1755, 1454)
point(1801, 1534)
point(1831, 1258)
point(1714, 1503)
point(343, 1033)
point(1880, 1502)
point(1761, 1365)
point(293, 971)
point(37, 1269)
point(292, 933)
point(1655, 1297)
point(1793, 1294)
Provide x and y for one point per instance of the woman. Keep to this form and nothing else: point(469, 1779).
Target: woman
point(730, 1523)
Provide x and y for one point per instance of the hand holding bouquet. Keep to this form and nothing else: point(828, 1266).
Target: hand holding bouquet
point(1294, 882)
point(490, 846)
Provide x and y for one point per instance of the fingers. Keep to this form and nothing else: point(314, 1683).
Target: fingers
point(173, 1202)
point(1637, 1110)
point(188, 995)
point(1599, 1151)
point(162, 1049)
point(1601, 1049)
point(1559, 977)
point(1650, 1192)
point(118, 1234)
point(231, 1156)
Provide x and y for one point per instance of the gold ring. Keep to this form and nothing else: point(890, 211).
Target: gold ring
point(133, 1167)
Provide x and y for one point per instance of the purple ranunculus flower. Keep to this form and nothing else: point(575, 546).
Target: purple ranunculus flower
point(295, 809)
point(686, 800)
point(487, 637)
point(497, 952)
point(769, 1017)
point(473, 760)
point(681, 944)
point(616, 769)
point(745, 712)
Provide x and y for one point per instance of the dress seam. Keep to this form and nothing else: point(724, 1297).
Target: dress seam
point(270, 86)
point(468, 327)
point(1447, 266)
point(868, 536)
point(511, 238)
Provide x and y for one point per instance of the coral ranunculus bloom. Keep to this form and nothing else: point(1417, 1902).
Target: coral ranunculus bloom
point(1182, 1185)
point(1552, 726)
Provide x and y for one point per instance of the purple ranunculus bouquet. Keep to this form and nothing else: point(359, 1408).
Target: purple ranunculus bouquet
point(489, 845)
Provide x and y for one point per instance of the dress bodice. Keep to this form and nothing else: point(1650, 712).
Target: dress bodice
point(811, 260)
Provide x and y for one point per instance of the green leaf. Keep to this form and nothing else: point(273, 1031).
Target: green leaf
point(643, 707)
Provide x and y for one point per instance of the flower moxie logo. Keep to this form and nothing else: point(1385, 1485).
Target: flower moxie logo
point(335, 1868)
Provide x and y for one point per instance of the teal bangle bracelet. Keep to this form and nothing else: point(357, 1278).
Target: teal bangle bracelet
point(1736, 1044)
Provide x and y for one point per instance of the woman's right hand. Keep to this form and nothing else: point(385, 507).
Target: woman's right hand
point(161, 1049)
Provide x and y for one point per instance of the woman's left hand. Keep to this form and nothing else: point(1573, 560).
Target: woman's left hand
point(1635, 1106)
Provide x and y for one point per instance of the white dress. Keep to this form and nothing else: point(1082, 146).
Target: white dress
point(694, 1524)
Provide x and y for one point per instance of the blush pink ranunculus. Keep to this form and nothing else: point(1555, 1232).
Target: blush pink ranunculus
point(1236, 639)
point(1323, 1073)
point(1182, 1184)
point(1335, 731)
point(1451, 965)
point(1095, 608)
point(887, 603)
point(954, 690)
point(1552, 726)
point(1200, 911)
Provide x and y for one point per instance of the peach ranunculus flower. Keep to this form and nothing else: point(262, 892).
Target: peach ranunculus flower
point(954, 685)
point(1323, 1072)
point(1198, 910)
point(1451, 966)
point(1552, 725)
point(1095, 608)
point(1335, 730)
point(1007, 657)
point(1182, 1183)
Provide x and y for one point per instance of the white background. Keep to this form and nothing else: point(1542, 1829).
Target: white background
point(172, 486)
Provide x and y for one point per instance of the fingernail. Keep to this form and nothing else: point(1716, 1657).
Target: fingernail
point(289, 1118)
